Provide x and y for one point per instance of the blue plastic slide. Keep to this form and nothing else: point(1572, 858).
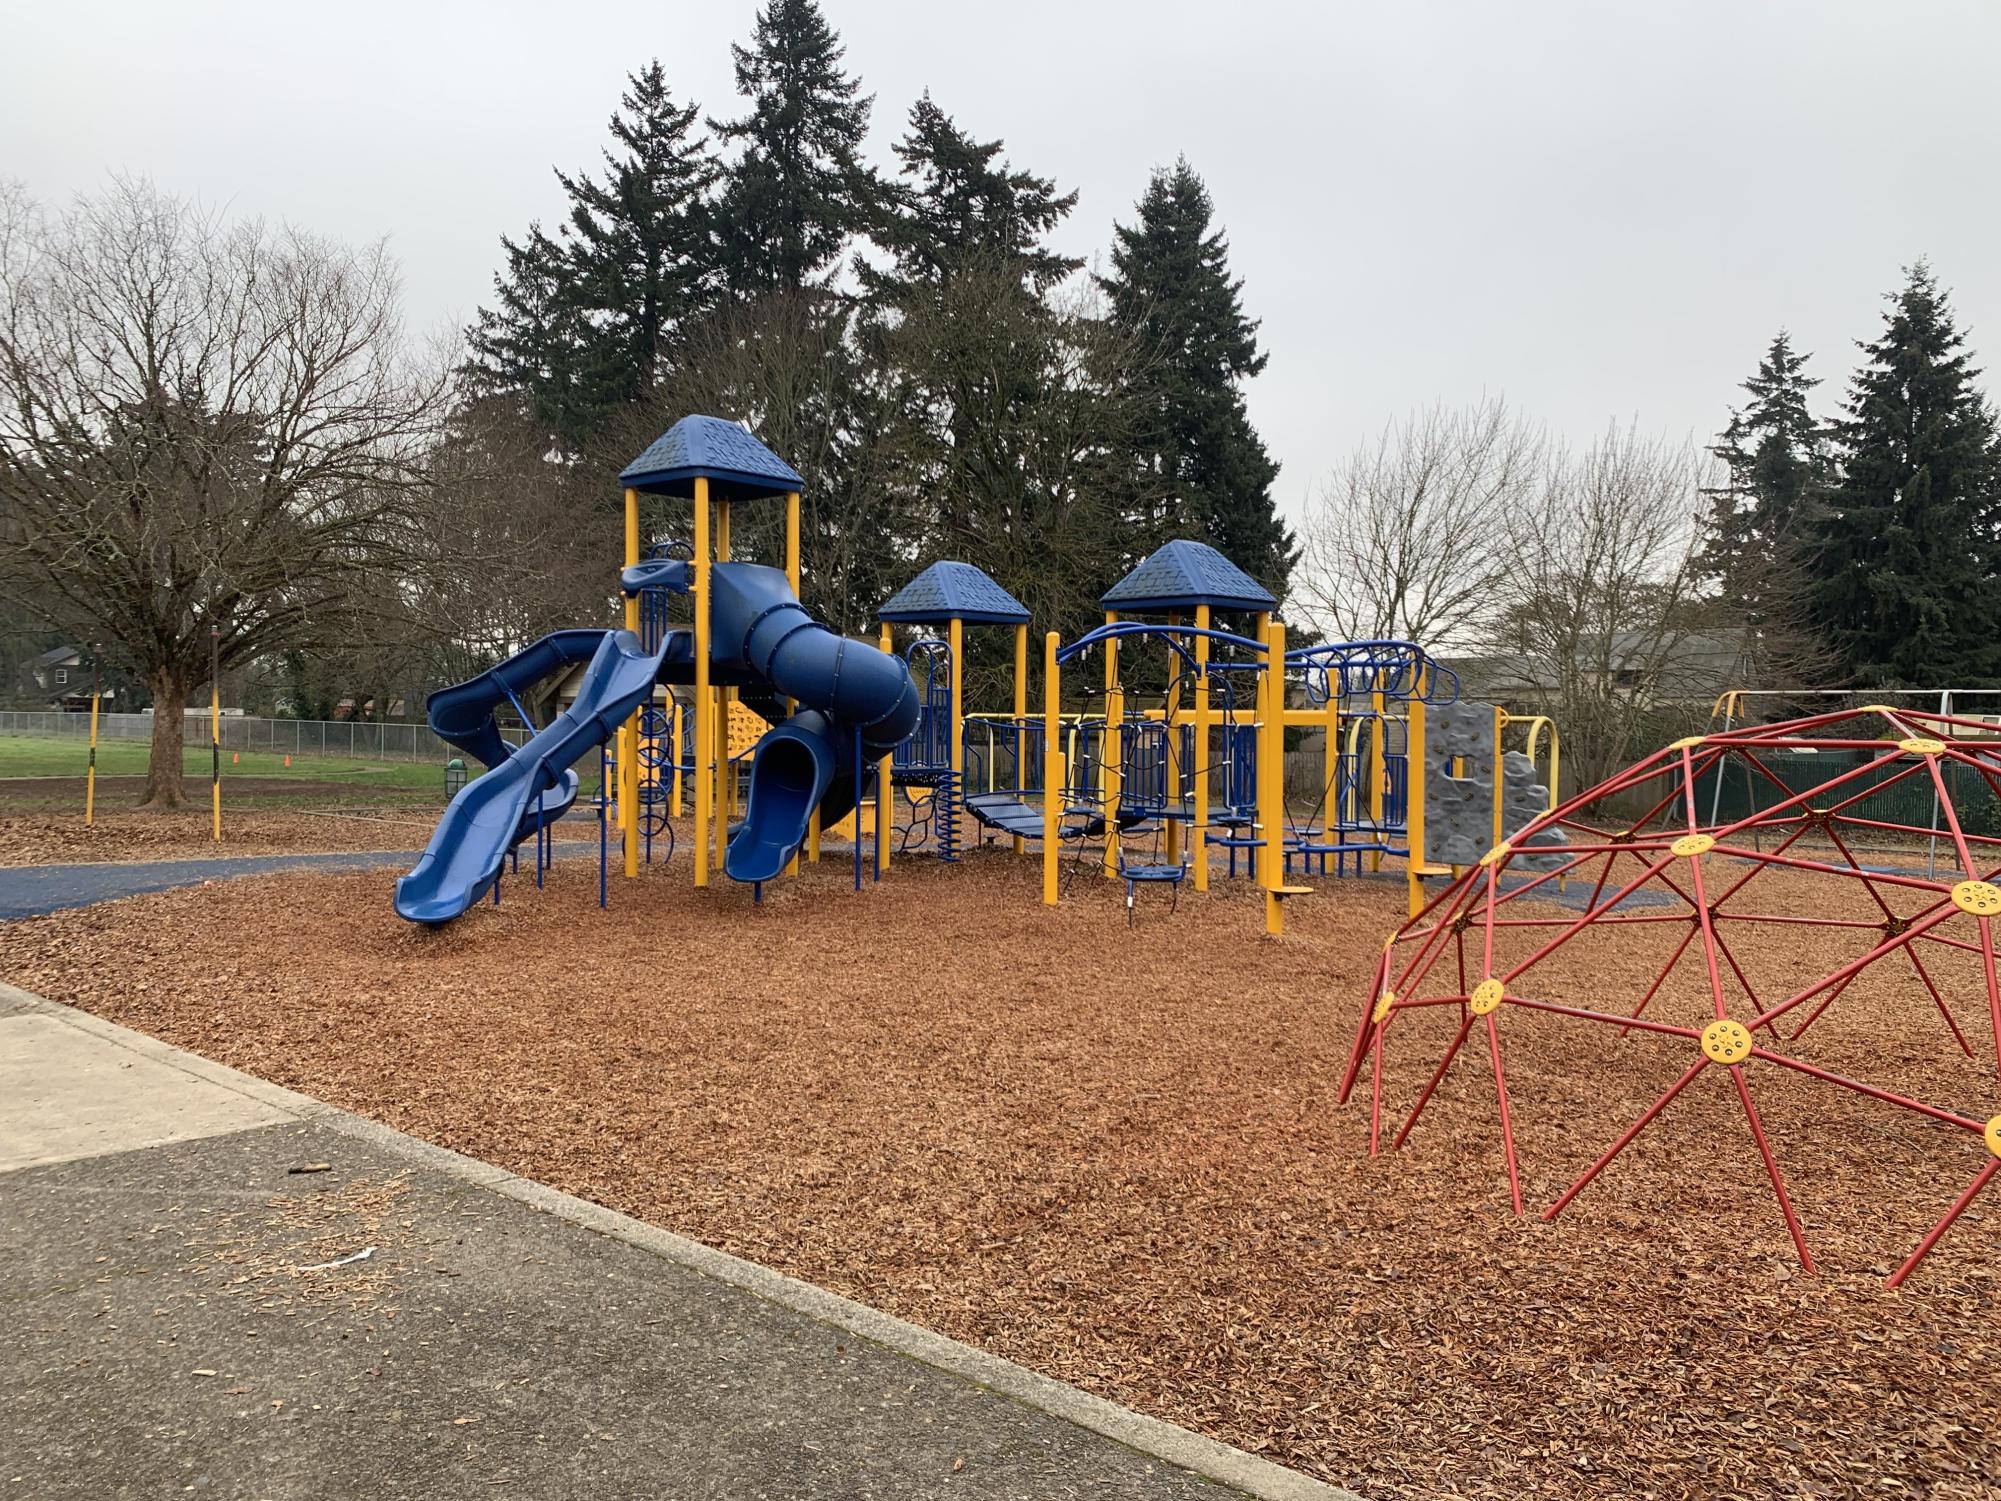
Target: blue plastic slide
point(494, 812)
point(842, 687)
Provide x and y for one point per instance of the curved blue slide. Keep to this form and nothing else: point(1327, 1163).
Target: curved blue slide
point(846, 690)
point(498, 810)
point(850, 696)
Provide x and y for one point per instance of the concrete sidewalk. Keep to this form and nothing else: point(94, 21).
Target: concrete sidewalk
point(175, 1326)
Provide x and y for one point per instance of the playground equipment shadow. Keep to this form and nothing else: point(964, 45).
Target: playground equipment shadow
point(1113, 1156)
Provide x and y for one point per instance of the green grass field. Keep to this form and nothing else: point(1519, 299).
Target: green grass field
point(42, 773)
point(34, 756)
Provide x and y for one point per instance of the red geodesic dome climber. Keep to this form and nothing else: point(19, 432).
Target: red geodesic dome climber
point(1854, 844)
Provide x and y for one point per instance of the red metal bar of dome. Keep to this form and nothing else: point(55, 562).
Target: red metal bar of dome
point(1932, 1237)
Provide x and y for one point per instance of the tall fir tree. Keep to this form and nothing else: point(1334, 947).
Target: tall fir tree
point(958, 204)
point(582, 317)
point(1908, 551)
point(799, 190)
point(1201, 462)
point(1776, 455)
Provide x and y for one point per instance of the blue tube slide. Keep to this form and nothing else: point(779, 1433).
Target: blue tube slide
point(808, 762)
point(496, 811)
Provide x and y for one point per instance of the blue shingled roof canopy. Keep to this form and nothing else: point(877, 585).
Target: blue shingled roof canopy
point(736, 465)
point(1182, 575)
point(953, 591)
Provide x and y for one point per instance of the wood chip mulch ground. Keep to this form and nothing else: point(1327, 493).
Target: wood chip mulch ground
point(1115, 1156)
point(129, 834)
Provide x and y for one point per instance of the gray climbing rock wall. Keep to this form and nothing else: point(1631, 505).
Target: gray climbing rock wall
point(1459, 810)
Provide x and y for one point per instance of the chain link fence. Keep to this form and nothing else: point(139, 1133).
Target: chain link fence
point(360, 740)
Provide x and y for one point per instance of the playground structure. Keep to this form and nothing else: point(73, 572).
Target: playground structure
point(1676, 863)
point(774, 729)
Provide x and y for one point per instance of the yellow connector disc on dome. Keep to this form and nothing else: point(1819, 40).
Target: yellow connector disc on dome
point(1993, 1135)
point(1691, 845)
point(1382, 1012)
point(1726, 1041)
point(1980, 898)
point(1486, 996)
point(1688, 742)
point(1921, 747)
point(1498, 853)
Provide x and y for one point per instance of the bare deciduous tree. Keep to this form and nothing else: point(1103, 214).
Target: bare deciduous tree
point(203, 425)
point(1601, 620)
point(1404, 540)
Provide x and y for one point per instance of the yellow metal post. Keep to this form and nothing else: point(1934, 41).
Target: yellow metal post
point(1500, 723)
point(1271, 771)
point(705, 709)
point(792, 578)
point(1331, 812)
point(676, 728)
point(885, 770)
point(1052, 767)
point(1170, 716)
point(724, 791)
point(1020, 715)
point(1378, 729)
point(956, 635)
point(1414, 797)
point(1203, 742)
point(1111, 773)
point(628, 733)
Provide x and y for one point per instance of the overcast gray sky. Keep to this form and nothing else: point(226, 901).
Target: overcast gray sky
point(1600, 210)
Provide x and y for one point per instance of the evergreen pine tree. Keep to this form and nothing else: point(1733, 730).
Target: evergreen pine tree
point(799, 191)
point(959, 204)
point(1908, 551)
point(582, 317)
point(1776, 455)
point(1202, 463)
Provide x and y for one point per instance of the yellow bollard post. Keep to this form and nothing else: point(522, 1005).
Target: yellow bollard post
point(1052, 768)
point(705, 708)
point(1203, 742)
point(215, 730)
point(90, 773)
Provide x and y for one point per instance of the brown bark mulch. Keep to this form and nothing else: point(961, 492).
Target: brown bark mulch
point(1115, 1156)
point(185, 834)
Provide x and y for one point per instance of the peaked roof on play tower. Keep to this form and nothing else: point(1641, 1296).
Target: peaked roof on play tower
point(1182, 575)
point(953, 591)
point(736, 465)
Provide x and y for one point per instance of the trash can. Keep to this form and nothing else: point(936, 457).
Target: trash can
point(455, 777)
